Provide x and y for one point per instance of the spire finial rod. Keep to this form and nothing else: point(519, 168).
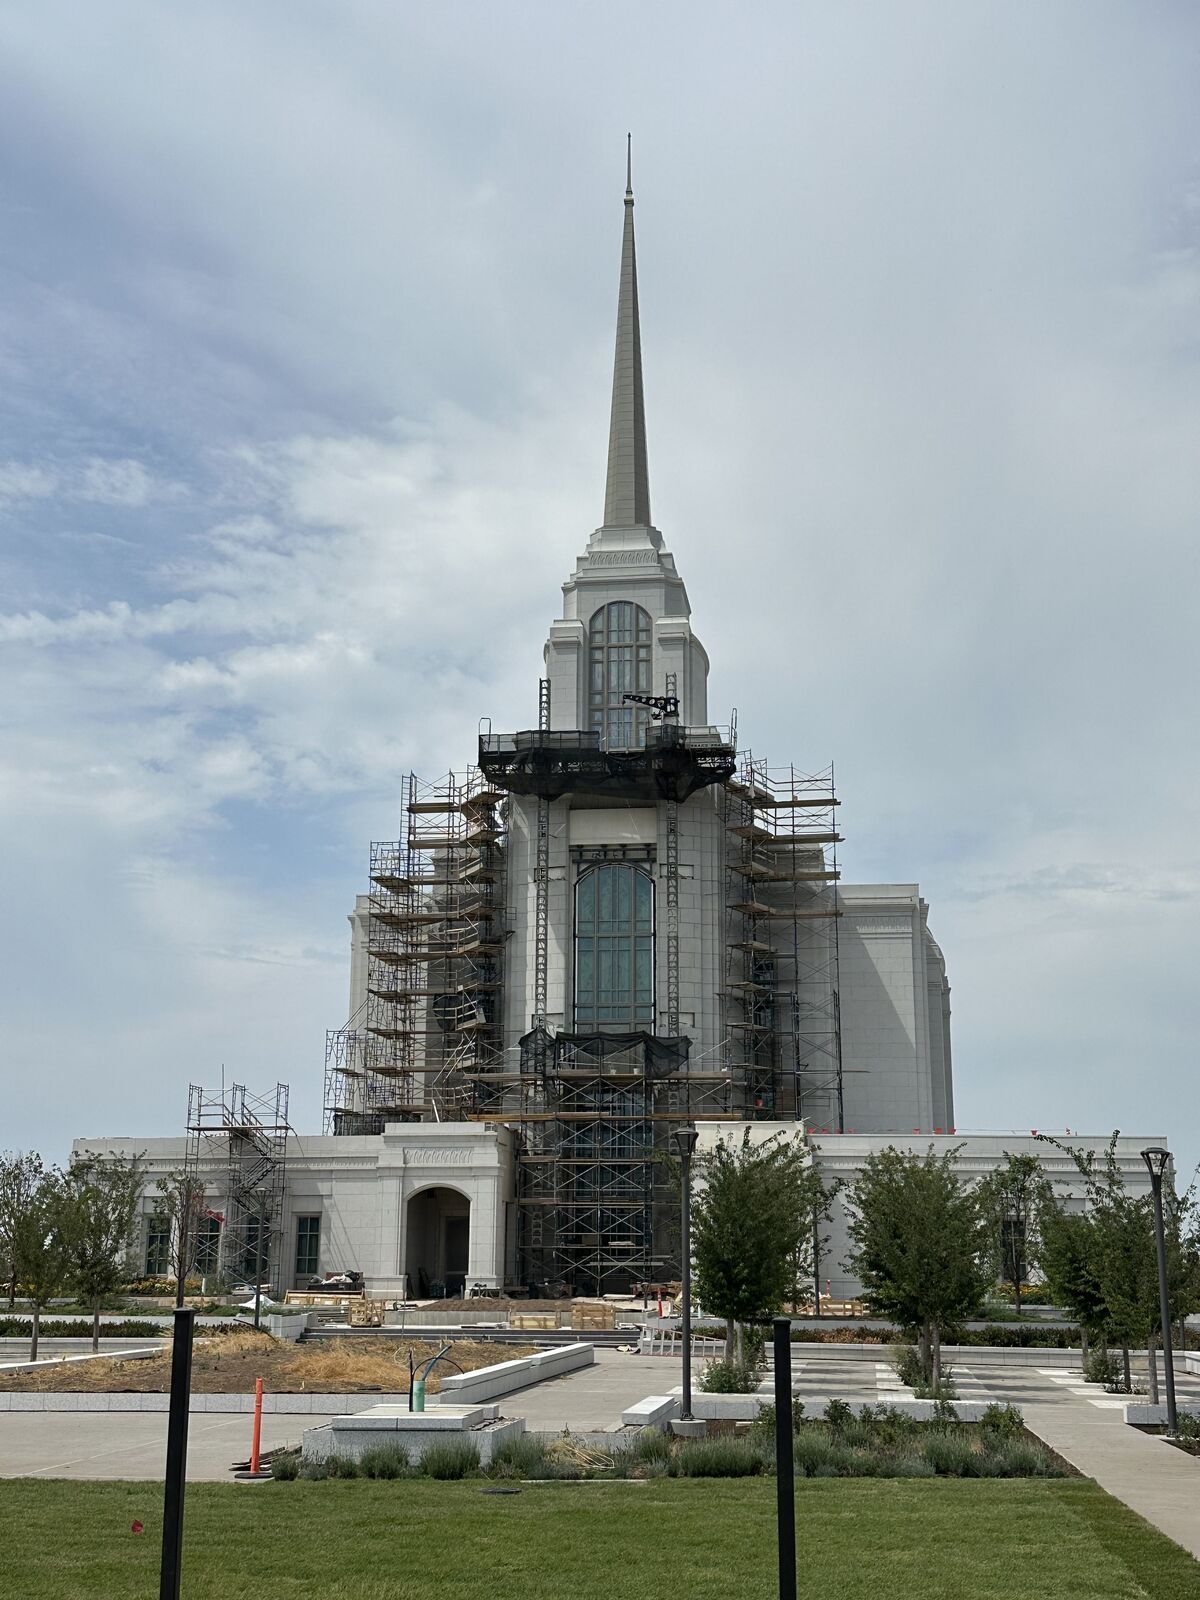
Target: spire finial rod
point(629, 166)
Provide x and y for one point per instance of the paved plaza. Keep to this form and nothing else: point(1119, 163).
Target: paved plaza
point(132, 1444)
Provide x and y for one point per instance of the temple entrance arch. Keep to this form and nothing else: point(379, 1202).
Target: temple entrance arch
point(438, 1241)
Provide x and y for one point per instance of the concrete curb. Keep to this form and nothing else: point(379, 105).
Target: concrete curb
point(273, 1404)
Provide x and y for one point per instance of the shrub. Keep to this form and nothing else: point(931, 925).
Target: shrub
point(457, 1458)
point(912, 1464)
point(907, 1363)
point(1019, 1459)
point(1101, 1367)
point(130, 1328)
point(887, 1425)
point(838, 1416)
point(813, 1453)
point(1004, 1421)
point(652, 1445)
point(341, 1467)
point(521, 1457)
point(719, 1458)
point(951, 1456)
point(285, 1466)
point(384, 1461)
point(728, 1377)
point(312, 1471)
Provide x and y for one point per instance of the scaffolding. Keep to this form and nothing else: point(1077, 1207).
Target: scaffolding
point(434, 960)
point(239, 1140)
point(781, 1003)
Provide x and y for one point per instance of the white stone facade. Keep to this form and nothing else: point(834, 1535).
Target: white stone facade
point(371, 1196)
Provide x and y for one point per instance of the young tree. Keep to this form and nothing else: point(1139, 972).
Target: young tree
point(1070, 1262)
point(1016, 1199)
point(99, 1217)
point(180, 1202)
point(816, 1202)
point(20, 1174)
point(920, 1245)
point(751, 1229)
point(39, 1249)
point(1122, 1258)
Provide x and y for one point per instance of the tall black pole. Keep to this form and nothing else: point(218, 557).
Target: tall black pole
point(686, 1328)
point(1164, 1305)
point(785, 1472)
point(177, 1432)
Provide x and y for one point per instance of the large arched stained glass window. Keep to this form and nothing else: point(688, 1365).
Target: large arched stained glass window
point(619, 640)
point(614, 950)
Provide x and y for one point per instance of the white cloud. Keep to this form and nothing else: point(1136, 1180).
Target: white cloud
point(24, 481)
point(115, 483)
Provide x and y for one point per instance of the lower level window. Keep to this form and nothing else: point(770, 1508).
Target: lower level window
point(158, 1247)
point(308, 1246)
point(208, 1246)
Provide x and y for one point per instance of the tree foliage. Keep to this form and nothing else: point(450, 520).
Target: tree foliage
point(21, 1172)
point(31, 1233)
point(752, 1226)
point(100, 1209)
point(920, 1244)
point(180, 1201)
point(1016, 1200)
point(1103, 1265)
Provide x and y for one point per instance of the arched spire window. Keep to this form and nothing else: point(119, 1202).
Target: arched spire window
point(614, 950)
point(619, 645)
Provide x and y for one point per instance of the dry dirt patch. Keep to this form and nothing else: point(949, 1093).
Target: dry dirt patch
point(229, 1364)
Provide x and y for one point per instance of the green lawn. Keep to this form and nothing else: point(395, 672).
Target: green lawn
point(859, 1539)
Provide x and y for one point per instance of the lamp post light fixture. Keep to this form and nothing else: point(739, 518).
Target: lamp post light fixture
point(1157, 1161)
point(685, 1142)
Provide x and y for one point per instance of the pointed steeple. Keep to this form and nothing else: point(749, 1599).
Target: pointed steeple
point(627, 491)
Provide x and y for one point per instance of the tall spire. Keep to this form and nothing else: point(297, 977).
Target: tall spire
point(627, 491)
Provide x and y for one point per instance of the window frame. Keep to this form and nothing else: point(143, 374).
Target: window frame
point(620, 660)
point(311, 1236)
point(208, 1247)
point(159, 1234)
point(591, 1013)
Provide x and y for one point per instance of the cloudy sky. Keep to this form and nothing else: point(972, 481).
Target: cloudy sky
point(305, 333)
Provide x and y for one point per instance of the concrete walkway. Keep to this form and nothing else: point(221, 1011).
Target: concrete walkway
point(593, 1398)
point(1148, 1475)
point(95, 1445)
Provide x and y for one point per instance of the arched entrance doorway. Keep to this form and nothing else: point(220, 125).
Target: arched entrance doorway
point(438, 1232)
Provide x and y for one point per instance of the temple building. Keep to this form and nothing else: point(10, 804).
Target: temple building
point(618, 920)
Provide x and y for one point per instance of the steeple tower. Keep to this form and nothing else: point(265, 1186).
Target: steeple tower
point(627, 491)
point(625, 579)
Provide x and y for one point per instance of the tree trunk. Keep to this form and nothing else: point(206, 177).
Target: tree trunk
point(1125, 1365)
point(37, 1328)
point(1152, 1366)
point(1083, 1346)
point(923, 1342)
point(740, 1344)
point(937, 1356)
point(179, 1286)
point(95, 1327)
point(730, 1339)
point(1016, 1288)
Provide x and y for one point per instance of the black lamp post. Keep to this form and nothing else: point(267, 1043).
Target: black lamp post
point(685, 1142)
point(1157, 1160)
